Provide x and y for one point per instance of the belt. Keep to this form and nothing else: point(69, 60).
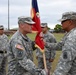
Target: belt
point(3, 52)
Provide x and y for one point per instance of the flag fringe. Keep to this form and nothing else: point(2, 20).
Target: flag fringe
point(42, 50)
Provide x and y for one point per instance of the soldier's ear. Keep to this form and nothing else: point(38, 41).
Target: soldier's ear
point(21, 25)
point(70, 22)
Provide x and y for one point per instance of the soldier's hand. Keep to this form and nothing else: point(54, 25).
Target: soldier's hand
point(44, 72)
point(60, 43)
point(33, 45)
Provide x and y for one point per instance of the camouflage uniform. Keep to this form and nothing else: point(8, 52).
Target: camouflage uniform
point(3, 53)
point(66, 65)
point(49, 53)
point(20, 54)
point(67, 62)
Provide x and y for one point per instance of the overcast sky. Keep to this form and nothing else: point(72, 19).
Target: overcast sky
point(50, 10)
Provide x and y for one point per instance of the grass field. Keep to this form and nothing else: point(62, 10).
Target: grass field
point(57, 35)
point(58, 38)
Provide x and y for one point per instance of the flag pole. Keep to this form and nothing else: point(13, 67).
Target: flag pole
point(8, 15)
point(44, 60)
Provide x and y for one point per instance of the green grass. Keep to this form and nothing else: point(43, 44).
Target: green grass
point(55, 60)
point(31, 36)
point(58, 36)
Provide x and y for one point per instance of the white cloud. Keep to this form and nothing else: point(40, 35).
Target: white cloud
point(50, 10)
point(3, 10)
point(13, 26)
point(52, 26)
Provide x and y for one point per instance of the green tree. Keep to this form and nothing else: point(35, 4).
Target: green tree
point(48, 28)
point(58, 28)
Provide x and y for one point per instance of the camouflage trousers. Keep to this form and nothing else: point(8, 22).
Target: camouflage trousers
point(41, 64)
point(3, 64)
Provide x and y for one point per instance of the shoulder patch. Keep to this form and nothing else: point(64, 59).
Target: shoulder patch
point(20, 47)
point(65, 55)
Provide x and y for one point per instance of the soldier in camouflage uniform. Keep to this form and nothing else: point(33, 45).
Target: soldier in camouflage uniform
point(49, 53)
point(67, 62)
point(3, 51)
point(20, 54)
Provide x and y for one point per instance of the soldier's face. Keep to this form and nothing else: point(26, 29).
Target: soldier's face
point(66, 24)
point(27, 28)
point(44, 29)
point(1, 31)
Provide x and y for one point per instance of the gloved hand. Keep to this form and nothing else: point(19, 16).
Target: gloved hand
point(60, 43)
point(44, 72)
point(33, 45)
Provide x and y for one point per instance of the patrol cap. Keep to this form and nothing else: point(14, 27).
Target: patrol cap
point(1, 27)
point(24, 19)
point(68, 16)
point(43, 24)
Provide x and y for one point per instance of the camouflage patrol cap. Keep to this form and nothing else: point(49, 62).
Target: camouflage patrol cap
point(24, 19)
point(1, 27)
point(68, 16)
point(43, 24)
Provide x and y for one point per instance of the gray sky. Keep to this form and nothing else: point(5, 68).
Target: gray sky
point(50, 10)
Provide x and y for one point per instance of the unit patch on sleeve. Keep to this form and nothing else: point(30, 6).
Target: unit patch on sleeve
point(19, 46)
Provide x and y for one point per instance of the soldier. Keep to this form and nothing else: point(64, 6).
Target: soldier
point(67, 62)
point(3, 51)
point(49, 53)
point(20, 54)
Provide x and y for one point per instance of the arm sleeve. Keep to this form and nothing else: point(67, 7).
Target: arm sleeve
point(53, 51)
point(66, 58)
point(54, 46)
